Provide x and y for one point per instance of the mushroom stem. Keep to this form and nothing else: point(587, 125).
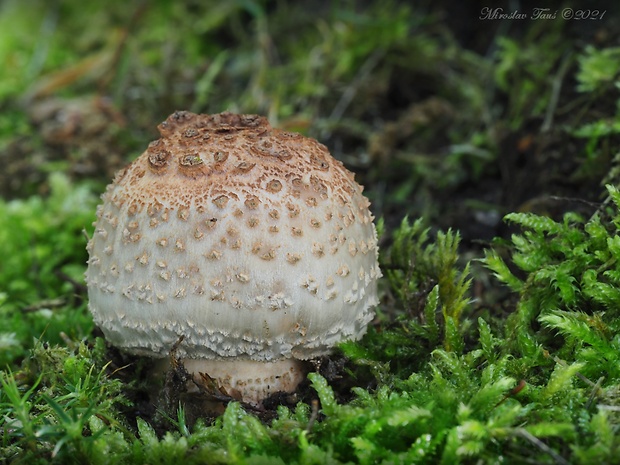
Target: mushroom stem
point(249, 380)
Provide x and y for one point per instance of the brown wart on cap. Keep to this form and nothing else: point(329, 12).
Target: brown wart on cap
point(252, 243)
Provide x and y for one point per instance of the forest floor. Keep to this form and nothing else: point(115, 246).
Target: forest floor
point(454, 115)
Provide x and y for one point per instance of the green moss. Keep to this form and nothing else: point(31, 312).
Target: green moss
point(504, 395)
point(42, 243)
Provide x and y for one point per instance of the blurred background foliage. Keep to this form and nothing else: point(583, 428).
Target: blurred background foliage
point(439, 113)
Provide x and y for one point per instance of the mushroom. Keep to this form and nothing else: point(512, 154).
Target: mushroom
point(250, 243)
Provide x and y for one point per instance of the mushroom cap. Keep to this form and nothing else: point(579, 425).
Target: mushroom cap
point(246, 240)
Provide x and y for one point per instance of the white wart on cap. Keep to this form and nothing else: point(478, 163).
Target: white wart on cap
point(252, 243)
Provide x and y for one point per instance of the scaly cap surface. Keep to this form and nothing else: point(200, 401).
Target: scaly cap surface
point(246, 240)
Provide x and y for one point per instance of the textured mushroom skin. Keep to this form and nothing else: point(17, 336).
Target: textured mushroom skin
point(246, 240)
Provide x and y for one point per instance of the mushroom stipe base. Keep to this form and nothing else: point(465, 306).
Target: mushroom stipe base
point(249, 381)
